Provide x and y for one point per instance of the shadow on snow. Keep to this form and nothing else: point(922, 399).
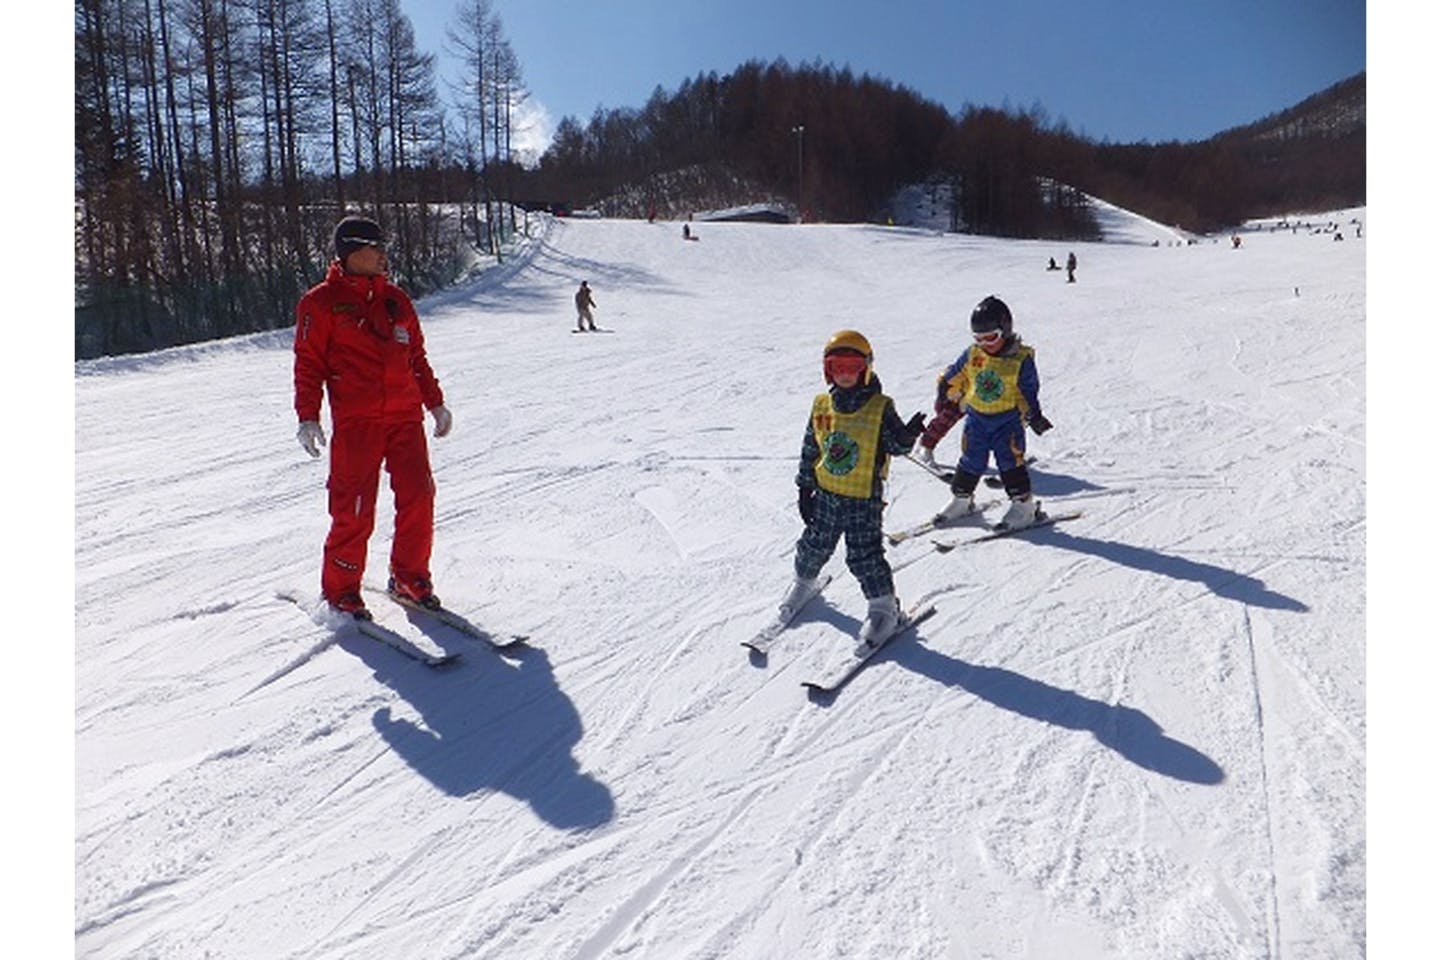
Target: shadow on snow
point(1047, 484)
point(1225, 583)
point(491, 723)
point(1126, 730)
point(1229, 584)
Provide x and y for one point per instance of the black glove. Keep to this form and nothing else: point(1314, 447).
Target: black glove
point(1039, 424)
point(807, 504)
point(915, 427)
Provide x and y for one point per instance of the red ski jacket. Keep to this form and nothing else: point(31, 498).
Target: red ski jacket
point(359, 339)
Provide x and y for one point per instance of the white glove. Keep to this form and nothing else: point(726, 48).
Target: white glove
point(443, 420)
point(311, 437)
point(927, 455)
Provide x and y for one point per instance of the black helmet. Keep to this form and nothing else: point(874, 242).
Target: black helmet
point(352, 233)
point(991, 314)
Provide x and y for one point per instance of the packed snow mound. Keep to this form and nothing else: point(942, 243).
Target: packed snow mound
point(750, 212)
point(1118, 225)
point(928, 206)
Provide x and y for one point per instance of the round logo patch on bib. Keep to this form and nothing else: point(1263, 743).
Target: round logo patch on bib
point(989, 386)
point(842, 453)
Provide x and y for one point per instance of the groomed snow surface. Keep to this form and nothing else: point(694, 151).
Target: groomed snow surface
point(1137, 734)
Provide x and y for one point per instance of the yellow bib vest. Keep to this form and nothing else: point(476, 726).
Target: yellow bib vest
point(849, 444)
point(989, 384)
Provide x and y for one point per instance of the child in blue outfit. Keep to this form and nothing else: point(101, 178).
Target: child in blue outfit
point(852, 432)
point(995, 386)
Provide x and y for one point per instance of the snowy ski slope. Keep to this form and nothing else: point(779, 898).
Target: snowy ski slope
point(1138, 734)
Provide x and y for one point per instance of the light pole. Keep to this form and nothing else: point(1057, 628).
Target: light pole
point(799, 131)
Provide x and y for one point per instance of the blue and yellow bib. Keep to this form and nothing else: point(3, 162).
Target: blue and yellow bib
point(988, 384)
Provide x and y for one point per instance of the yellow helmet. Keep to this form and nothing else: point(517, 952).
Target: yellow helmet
point(850, 341)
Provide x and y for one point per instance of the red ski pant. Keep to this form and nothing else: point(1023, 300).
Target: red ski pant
point(357, 451)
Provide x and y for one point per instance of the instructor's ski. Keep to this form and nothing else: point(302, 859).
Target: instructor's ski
point(367, 627)
point(389, 637)
point(454, 620)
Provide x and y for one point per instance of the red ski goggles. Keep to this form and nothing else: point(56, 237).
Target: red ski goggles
point(846, 363)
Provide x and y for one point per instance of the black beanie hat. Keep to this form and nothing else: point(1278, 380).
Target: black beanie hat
point(352, 233)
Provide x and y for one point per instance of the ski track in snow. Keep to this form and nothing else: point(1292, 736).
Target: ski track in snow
point(1263, 747)
point(1140, 733)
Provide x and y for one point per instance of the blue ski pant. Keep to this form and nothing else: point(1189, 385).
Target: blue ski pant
point(984, 434)
point(860, 522)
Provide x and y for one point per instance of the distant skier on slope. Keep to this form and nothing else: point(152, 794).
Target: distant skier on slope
point(358, 340)
point(1070, 265)
point(852, 431)
point(996, 383)
point(583, 302)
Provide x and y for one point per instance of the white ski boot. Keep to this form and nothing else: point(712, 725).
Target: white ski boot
point(1023, 512)
point(800, 592)
point(880, 621)
point(961, 505)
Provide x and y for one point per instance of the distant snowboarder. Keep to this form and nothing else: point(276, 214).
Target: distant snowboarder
point(583, 302)
point(852, 432)
point(994, 384)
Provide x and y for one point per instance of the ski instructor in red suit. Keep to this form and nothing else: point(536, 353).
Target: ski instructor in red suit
point(357, 339)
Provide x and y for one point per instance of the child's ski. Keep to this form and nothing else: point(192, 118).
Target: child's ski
point(837, 674)
point(765, 639)
point(1045, 520)
point(930, 526)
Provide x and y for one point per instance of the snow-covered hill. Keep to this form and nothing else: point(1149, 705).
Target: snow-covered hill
point(1139, 734)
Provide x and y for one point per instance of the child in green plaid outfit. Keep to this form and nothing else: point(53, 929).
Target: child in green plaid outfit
point(852, 432)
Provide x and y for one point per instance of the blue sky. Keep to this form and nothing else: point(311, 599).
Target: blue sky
point(1119, 70)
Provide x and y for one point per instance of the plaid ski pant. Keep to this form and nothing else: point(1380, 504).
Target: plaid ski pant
point(860, 522)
